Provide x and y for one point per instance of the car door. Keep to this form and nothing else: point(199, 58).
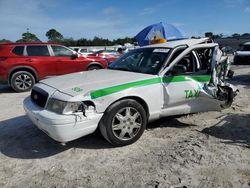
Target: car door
point(40, 57)
point(188, 91)
point(64, 61)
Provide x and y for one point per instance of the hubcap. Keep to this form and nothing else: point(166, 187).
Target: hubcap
point(23, 81)
point(126, 123)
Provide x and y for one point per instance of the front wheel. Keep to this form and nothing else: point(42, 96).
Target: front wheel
point(123, 122)
point(22, 81)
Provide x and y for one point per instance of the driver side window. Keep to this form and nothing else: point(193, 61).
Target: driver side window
point(197, 62)
point(189, 62)
point(61, 51)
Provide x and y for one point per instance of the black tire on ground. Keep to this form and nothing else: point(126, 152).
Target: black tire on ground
point(230, 97)
point(123, 122)
point(93, 67)
point(22, 81)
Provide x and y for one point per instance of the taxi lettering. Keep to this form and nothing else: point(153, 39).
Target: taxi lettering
point(192, 93)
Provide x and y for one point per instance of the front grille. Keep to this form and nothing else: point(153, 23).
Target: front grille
point(39, 96)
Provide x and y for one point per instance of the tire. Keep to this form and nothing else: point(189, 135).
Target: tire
point(22, 81)
point(93, 67)
point(123, 122)
point(229, 97)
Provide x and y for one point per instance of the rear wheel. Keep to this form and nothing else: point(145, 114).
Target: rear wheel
point(124, 122)
point(22, 81)
point(93, 67)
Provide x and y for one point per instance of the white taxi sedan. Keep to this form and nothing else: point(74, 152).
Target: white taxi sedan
point(145, 84)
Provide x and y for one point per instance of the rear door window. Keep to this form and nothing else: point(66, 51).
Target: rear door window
point(38, 50)
point(18, 50)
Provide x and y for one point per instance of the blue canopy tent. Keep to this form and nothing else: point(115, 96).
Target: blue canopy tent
point(159, 30)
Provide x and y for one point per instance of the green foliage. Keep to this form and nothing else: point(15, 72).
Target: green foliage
point(236, 35)
point(218, 36)
point(96, 41)
point(124, 40)
point(68, 42)
point(213, 36)
point(209, 34)
point(54, 35)
point(245, 35)
point(4, 41)
point(28, 37)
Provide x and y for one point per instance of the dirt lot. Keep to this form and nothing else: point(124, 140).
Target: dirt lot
point(201, 150)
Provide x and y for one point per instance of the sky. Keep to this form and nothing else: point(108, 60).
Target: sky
point(114, 19)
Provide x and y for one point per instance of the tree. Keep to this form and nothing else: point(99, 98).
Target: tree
point(218, 36)
point(54, 35)
point(83, 42)
point(236, 35)
point(209, 34)
point(4, 41)
point(68, 42)
point(96, 41)
point(245, 35)
point(28, 37)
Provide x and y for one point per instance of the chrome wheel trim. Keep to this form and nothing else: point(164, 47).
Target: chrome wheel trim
point(23, 81)
point(126, 123)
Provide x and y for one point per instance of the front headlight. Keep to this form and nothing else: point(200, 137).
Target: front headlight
point(63, 107)
point(73, 107)
point(56, 105)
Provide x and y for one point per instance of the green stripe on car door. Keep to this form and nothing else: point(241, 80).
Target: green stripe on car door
point(114, 89)
point(199, 78)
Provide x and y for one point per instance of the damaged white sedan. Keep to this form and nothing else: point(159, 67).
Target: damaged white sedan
point(177, 77)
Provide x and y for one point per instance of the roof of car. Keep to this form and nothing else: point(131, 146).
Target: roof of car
point(172, 44)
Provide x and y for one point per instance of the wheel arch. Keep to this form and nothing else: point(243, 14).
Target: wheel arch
point(95, 64)
point(23, 68)
point(137, 99)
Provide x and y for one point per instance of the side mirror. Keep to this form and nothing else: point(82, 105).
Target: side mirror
point(178, 69)
point(73, 56)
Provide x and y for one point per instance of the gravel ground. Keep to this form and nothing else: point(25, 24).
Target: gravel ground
point(200, 150)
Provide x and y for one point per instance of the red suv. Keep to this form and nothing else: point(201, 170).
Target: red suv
point(24, 64)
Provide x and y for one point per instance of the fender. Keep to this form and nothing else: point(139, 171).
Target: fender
point(149, 101)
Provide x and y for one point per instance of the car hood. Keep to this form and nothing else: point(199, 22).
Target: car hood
point(85, 82)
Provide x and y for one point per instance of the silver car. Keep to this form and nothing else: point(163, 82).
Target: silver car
point(178, 77)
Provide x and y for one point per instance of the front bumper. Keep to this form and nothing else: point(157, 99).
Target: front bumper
point(62, 128)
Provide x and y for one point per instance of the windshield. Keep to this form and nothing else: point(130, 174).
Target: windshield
point(144, 60)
